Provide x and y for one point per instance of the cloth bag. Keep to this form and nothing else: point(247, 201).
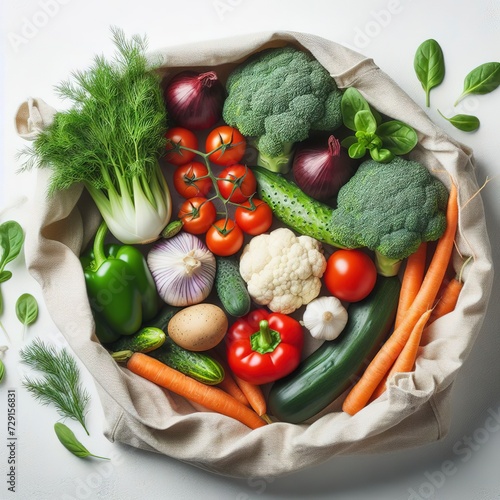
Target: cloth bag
point(416, 407)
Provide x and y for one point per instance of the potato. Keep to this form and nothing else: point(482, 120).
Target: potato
point(199, 327)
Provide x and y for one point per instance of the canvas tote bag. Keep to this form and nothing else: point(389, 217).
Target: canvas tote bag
point(416, 407)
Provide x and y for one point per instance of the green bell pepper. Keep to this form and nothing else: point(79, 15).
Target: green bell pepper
point(120, 287)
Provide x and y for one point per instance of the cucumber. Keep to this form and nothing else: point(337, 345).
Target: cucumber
point(231, 287)
point(330, 370)
point(147, 339)
point(197, 365)
point(293, 207)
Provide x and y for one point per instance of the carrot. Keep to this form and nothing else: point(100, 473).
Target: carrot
point(207, 396)
point(448, 299)
point(254, 395)
point(230, 386)
point(411, 282)
point(449, 296)
point(361, 393)
point(406, 360)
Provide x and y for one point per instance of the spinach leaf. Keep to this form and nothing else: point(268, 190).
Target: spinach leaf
point(397, 137)
point(466, 123)
point(481, 80)
point(11, 242)
point(352, 102)
point(68, 439)
point(27, 309)
point(429, 66)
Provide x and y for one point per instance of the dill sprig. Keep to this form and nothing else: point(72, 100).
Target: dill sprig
point(114, 130)
point(60, 385)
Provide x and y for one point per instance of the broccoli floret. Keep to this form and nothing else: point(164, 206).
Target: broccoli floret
point(277, 97)
point(390, 208)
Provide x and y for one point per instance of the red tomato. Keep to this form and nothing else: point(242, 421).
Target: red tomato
point(232, 142)
point(192, 180)
point(237, 183)
point(197, 215)
point(224, 238)
point(177, 137)
point(350, 275)
point(254, 217)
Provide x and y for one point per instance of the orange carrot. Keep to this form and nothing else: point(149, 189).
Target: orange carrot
point(254, 395)
point(406, 359)
point(411, 282)
point(207, 396)
point(448, 299)
point(361, 393)
point(231, 387)
point(449, 295)
point(229, 383)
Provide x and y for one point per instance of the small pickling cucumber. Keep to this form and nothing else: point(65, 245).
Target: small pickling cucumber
point(197, 365)
point(231, 287)
point(147, 339)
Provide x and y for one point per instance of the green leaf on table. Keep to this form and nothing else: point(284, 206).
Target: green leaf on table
point(11, 242)
point(68, 439)
point(481, 80)
point(466, 123)
point(5, 276)
point(27, 309)
point(429, 66)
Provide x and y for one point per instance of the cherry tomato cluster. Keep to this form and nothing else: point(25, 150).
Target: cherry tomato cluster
point(235, 185)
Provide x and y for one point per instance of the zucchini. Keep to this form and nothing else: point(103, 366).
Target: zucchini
point(231, 287)
point(330, 370)
point(293, 207)
point(147, 339)
point(197, 365)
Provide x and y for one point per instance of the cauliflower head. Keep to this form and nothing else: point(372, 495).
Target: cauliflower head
point(283, 271)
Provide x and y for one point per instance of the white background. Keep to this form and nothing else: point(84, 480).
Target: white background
point(44, 40)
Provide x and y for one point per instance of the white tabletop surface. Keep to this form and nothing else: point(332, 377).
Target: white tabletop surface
point(44, 40)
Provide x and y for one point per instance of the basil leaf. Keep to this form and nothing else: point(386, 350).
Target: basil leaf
point(364, 121)
point(481, 80)
point(352, 102)
point(68, 439)
point(11, 241)
point(348, 141)
point(429, 66)
point(27, 309)
point(398, 137)
point(381, 155)
point(466, 123)
point(357, 150)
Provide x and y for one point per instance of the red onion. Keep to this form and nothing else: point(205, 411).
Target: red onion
point(195, 100)
point(319, 170)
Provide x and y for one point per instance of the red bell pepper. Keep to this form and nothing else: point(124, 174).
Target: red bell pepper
point(263, 347)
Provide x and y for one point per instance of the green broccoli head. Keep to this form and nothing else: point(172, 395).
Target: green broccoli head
point(278, 96)
point(390, 208)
